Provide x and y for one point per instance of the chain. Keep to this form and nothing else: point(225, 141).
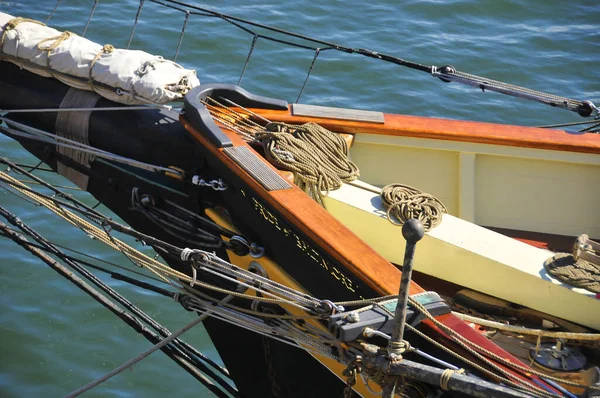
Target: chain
point(275, 389)
point(217, 185)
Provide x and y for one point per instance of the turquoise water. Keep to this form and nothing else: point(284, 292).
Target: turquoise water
point(53, 338)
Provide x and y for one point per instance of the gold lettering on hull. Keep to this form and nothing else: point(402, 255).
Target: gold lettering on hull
point(306, 247)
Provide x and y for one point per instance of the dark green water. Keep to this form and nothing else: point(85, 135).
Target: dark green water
point(53, 338)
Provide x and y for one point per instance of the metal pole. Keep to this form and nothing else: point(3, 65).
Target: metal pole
point(412, 230)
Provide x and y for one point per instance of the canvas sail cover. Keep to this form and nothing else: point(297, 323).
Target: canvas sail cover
point(125, 76)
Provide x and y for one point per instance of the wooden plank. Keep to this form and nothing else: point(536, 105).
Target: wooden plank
point(453, 130)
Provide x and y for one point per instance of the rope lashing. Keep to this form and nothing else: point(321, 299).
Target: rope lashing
point(12, 24)
point(56, 41)
point(106, 49)
point(446, 375)
point(317, 157)
point(404, 202)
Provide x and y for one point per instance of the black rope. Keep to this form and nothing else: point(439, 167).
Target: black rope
point(90, 18)
point(36, 168)
point(137, 18)
point(444, 73)
point(254, 39)
point(551, 126)
point(173, 351)
point(112, 274)
point(53, 11)
point(185, 23)
point(51, 187)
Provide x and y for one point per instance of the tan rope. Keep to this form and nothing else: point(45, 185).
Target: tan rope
point(578, 273)
point(317, 157)
point(58, 40)
point(159, 269)
point(446, 375)
point(478, 351)
point(106, 49)
point(12, 24)
point(532, 332)
point(404, 202)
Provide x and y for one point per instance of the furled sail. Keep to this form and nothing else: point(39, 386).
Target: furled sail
point(125, 76)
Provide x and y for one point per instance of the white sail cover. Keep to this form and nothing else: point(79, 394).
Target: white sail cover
point(125, 76)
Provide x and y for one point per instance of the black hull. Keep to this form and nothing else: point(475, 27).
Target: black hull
point(259, 368)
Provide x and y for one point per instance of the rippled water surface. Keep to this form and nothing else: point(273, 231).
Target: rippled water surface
point(53, 338)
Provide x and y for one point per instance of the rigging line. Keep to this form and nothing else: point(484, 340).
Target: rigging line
point(312, 65)
point(90, 18)
point(36, 168)
point(258, 326)
point(72, 218)
point(506, 377)
point(34, 134)
point(185, 23)
point(266, 281)
point(57, 201)
point(53, 10)
point(245, 110)
point(273, 285)
point(444, 73)
point(57, 186)
point(255, 288)
point(137, 18)
point(550, 126)
point(154, 266)
point(135, 360)
point(205, 221)
point(143, 355)
point(113, 274)
point(101, 109)
point(483, 353)
point(254, 39)
point(20, 196)
point(251, 124)
point(58, 192)
point(198, 295)
point(123, 301)
point(127, 317)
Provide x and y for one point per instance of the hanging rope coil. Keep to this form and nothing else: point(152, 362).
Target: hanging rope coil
point(317, 157)
point(404, 202)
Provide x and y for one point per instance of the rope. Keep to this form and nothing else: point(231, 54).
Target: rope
point(136, 359)
point(448, 73)
point(578, 273)
point(317, 157)
point(404, 202)
point(478, 351)
point(106, 49)
point(524, 330)
point(12, 24)
point(58, 40)
point(446, 375)
point(43, 136)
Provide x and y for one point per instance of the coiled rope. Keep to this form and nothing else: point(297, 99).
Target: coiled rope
point(578, 273)
point(317, 157)
point(404, 202)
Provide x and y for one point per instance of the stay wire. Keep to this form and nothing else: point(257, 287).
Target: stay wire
point(127, 317)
